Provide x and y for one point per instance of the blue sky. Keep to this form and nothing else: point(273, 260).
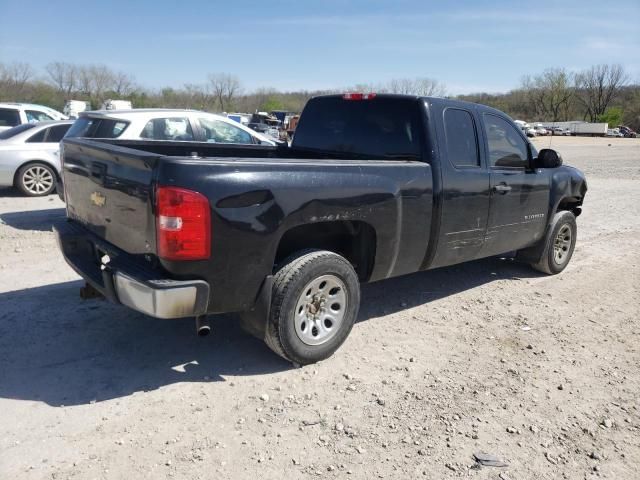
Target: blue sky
point(468, 45)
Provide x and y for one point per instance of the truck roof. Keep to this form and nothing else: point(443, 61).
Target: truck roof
point(438, 100)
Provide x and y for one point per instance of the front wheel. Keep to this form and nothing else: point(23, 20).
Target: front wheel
point(315, 302)
point(36, 180)
point(559, 244)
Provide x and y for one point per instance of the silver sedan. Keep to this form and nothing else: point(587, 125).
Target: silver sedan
point(30, 156)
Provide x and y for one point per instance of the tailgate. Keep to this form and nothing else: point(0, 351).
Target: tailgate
point(109, 189)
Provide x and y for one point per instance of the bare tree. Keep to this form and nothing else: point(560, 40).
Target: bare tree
point(428, 87)
point(14, 77)
point(599, 85)
point(103, 81)
point(198, 97)
point(225, 88)
point(123, 83)
point(403, 86)
point(550, 93)
point(423, 86)
point(63, 76)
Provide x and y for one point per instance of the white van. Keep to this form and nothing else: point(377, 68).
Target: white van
point(73, 107)
point(116, 105)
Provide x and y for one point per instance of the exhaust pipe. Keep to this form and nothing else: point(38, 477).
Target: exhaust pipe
point(202, 326)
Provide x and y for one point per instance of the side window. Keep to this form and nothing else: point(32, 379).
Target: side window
point(506, 147)
point(177, 129)
point(9, 117)
point(462, 143)
point(38, 137)
point(36, 116)
point(56, 133)
point(218, 131)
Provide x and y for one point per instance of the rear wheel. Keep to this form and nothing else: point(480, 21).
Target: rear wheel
point(36, 180)
point(315, 302)
point(559, 244)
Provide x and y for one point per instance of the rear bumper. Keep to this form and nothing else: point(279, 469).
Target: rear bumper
point(123, 278)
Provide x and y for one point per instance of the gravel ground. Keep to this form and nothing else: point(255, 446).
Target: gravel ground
point(490, 356)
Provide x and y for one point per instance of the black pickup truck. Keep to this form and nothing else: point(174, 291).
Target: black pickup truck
point(372, 187)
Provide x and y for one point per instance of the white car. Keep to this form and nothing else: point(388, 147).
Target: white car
point(167, 125)
point(14, 114)
point(540, 130)
point(30, 156)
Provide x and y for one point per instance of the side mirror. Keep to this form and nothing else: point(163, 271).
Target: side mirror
point(548, 158)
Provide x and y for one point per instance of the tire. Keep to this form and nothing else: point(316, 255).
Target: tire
point(36, 179)
point(559, 244)
point(315, 302)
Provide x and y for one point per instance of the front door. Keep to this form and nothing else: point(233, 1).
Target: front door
point(519, 194)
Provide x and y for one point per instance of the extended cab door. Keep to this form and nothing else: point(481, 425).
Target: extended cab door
point(519, 194)
point(465, 187)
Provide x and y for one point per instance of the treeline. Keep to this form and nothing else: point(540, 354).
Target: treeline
point(600, 93)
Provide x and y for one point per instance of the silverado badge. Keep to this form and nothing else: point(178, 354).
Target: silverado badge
point(98, 199)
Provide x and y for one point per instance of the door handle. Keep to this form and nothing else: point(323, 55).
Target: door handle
point(502, 189)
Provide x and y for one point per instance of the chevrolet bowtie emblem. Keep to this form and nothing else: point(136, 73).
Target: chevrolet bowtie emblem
point(98, 199)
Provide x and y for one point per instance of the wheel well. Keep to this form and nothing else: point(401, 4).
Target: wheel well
point(354, 240)
point(571, 204)
point(30, 162)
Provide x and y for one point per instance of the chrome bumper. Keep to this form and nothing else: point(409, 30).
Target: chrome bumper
point(126, 280)
point(177, 300)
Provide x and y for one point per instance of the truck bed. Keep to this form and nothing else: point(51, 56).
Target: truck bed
point(257, 194)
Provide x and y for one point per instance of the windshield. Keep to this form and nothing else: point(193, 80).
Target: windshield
point(379, 127)
point(12, 132)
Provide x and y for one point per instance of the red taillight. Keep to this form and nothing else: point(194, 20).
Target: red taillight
point(183, 224)
point(359, 96)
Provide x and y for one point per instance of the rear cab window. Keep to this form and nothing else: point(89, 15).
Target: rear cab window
point(93, 127)
point(379, 127)
point(461, 138)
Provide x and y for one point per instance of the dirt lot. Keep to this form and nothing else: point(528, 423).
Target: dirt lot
point(542, 372)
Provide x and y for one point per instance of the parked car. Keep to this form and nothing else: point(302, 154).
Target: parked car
point(627, 132)
point(531, 132)
point(287, 234)
point(163, 124)
point(614, 132)
point(29, 156)
point(540, 130)
point(14, 114)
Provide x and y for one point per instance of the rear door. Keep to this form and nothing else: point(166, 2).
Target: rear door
point(519, 194)
point(465, 185)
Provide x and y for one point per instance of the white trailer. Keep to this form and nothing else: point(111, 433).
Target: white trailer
point(590, 129)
